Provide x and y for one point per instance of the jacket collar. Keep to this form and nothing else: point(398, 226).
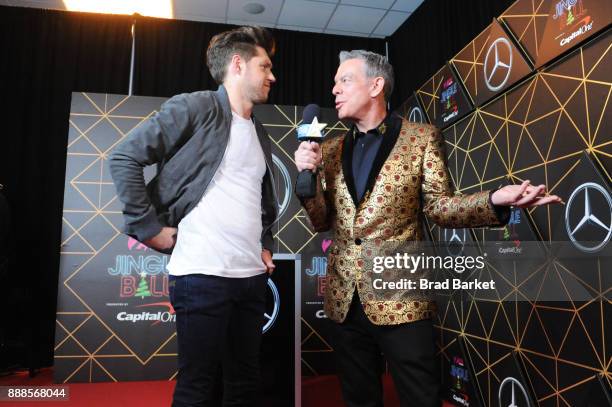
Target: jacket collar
point(389, 129)
point(223, 97)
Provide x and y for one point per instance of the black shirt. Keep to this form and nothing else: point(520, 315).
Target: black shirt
point(365, 149)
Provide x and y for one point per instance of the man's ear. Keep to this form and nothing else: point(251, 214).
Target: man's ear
point(378, 85)
point(236, 65)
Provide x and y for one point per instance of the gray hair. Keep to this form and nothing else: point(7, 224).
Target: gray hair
point(376, 65)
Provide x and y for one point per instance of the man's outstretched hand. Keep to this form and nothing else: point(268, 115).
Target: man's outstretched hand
point(523, 196)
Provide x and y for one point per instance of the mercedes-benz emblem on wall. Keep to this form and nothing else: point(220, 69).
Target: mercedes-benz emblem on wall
point(512, 394)
point(455, 240)
point(272, 306)
point(497, 72)
point(416, 115)
point(588, 217)
point(285, 190)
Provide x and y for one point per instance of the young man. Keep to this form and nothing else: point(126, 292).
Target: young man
point(379, 178)
point(213, 205)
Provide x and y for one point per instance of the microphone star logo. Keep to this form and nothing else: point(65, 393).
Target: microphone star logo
point(315, 129)
point(512, 394)
point(497, 73)
point(588, 220)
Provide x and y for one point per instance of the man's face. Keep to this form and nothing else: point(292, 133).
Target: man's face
point(352, 89)
point(258, 77)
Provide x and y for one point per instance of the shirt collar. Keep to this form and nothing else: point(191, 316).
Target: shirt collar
point(379, 130)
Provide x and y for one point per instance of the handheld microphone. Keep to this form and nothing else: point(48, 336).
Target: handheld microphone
point(309, 130)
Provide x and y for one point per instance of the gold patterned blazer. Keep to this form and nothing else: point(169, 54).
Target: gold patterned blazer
point(408, 177)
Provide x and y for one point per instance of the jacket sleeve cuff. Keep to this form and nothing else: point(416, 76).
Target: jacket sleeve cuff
point(146, 228)
point(502, 212)
point(267, 242)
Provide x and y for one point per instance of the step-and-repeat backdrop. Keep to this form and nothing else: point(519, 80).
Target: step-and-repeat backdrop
point(528, 98)
point(114, 319)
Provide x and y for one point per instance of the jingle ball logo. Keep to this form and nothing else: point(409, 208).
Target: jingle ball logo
point(567, 11)
point(460, 377)
point(318, 268)
point(143, 286)
point(448, 99)
point(509, 233)
point(142, 272)
point(573, 20)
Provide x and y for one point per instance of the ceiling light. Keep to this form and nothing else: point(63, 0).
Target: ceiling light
point(254, 8)
point(151, 8)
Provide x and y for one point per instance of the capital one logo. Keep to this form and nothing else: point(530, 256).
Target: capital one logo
point(272, 306)
point(415, 115)
point(498, 64)
point(512, 394)
point(588, 217)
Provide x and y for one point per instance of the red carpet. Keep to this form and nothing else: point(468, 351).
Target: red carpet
point(324, 391)
point(128, 394)
point(321, 391)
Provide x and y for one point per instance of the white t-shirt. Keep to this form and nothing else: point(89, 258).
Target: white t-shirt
point(222, 234)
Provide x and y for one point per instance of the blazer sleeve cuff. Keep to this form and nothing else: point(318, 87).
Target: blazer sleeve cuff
point(501, 212)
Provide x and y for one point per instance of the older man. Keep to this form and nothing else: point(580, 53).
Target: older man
point(373, 184)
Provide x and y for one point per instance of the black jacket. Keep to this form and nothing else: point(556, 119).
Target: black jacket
point(187, 139)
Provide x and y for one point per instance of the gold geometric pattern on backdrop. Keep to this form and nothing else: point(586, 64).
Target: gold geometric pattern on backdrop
point(539, 131)
point(527, 20)
point(98, 122)
point(467, 64)
point(92, 221)
point(428, 93)
point(294, 233)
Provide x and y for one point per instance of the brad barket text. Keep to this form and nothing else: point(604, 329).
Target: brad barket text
point(425, 284)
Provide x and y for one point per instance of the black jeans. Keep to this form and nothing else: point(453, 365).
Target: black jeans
point(219, 325)
point(408, 348)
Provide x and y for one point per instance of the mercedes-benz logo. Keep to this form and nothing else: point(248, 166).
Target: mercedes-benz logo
point(492, 80)
point(601, 222)
point(509, 397)
point(273, 305)
point(416, 115)
point(286, 190)
point(456, 241)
